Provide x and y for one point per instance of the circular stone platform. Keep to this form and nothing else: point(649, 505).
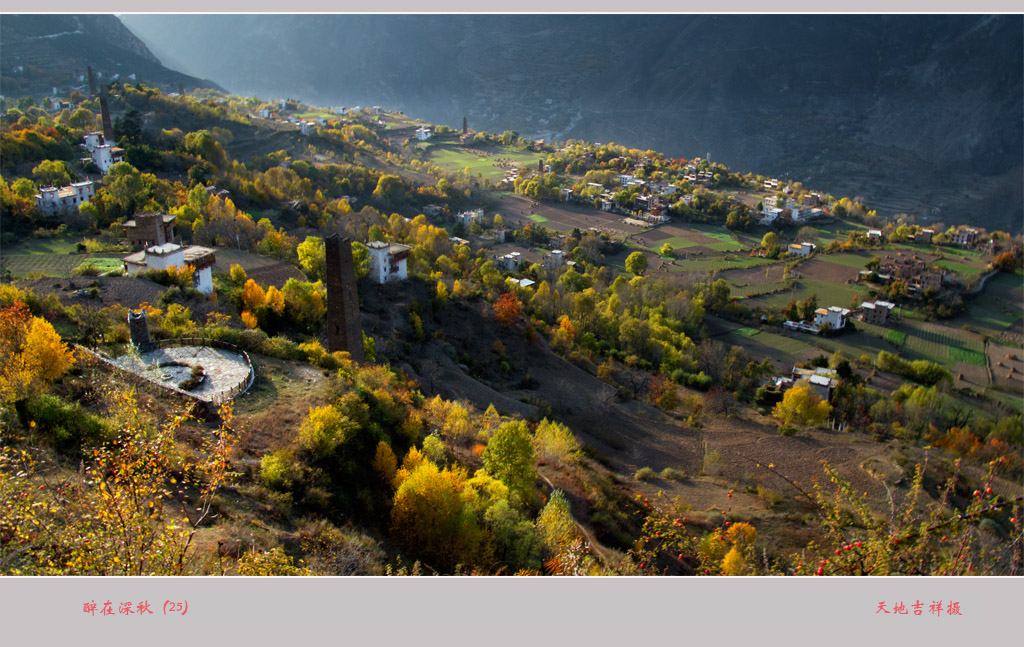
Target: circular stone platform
point(225, 370)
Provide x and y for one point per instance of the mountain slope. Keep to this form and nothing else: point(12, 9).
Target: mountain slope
point(54, 50)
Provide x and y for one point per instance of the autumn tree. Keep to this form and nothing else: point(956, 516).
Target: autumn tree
point(636, 263)
point(507, 308)
point(237, 273)
point(801, 406)
point(313, 257)
point(511, 458)
point(32, 354)
point(431, 519)
point(555, 523)
point(555, 443)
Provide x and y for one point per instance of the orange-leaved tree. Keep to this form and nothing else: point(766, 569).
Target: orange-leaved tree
point(506, 308)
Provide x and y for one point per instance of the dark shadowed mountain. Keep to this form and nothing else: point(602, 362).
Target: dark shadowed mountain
point(43, 51)
point(916, 114)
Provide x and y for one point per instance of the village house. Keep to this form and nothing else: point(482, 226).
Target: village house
point(432, 210)
point(924, 237)
point(965, 237)
point(423, 134)
point(833, 315)
point(149, 228)
point(875, 234)
point(93, 139)
point(823, 380)
point(455, 240)
point(167, 255)
point(106, 156)
point(467, 218)
point(265, 113)
point(876, 313)
point(499, 234)
point(64, 201)
point(307, 127)
point(338, 110)
point(387, 261)
point(802, 249)
point(567, 194)
point(554, 260)
point(509, 262)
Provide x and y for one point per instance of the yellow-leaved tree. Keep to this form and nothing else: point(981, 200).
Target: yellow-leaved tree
point(801, 406)
point(32, 354)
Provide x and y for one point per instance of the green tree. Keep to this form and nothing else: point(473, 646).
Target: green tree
point(666, 249)
point(51, 173)
point(555, 523)
point(636, 263)
point(511, 458)
point(313, 257)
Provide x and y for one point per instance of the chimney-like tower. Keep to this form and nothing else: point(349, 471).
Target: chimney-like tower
point(465, 126)
point(108, 129)
point(343, 329)
point(138, 327)
point(92, 83)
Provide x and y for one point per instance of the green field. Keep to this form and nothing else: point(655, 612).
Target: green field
point(828, 294)
point(537, 219)
point(677, 242)
point(968, 272)
point(103, 264)
point(748, 291)
point(452, 158)
point(746, 332)
point(720, 236)
point(720, 263)
point(782, 343)
point(897, 337)
point(968, 356)
point(849, 259)
point(725, 246)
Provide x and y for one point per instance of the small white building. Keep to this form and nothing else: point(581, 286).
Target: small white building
point(338, 110)
point(509, 262)
point(802, 249)
point(554, 260)
point(965, 237)
point(307, 127)
point(423, 133)
point(106, 156)
point(387, 261)
point(834, 316)
point(876, 313)
point(467, 218)
point(93, 139)
point(265, 113)
point(162, 257)
point(874, 234)
point(53, 201)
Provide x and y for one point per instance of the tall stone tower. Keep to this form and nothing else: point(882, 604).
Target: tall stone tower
point(138, 327)
point(108, 130)
point(343, 329)
point(465, 126)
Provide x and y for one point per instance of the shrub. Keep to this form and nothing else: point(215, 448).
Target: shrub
point(672, 474)
point(68, 427)
point(643, 474)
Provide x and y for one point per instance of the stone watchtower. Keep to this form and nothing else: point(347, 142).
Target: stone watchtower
point(343, 329)
point(138, 326)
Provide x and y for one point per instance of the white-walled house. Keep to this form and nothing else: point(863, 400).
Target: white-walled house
point(834, 315)
point(65, 201)
point(423, 134)
point(93, 139)
point(802, 249)
point(106, 156)
point(554, 260)
point(162, 257)
point(387, 261)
